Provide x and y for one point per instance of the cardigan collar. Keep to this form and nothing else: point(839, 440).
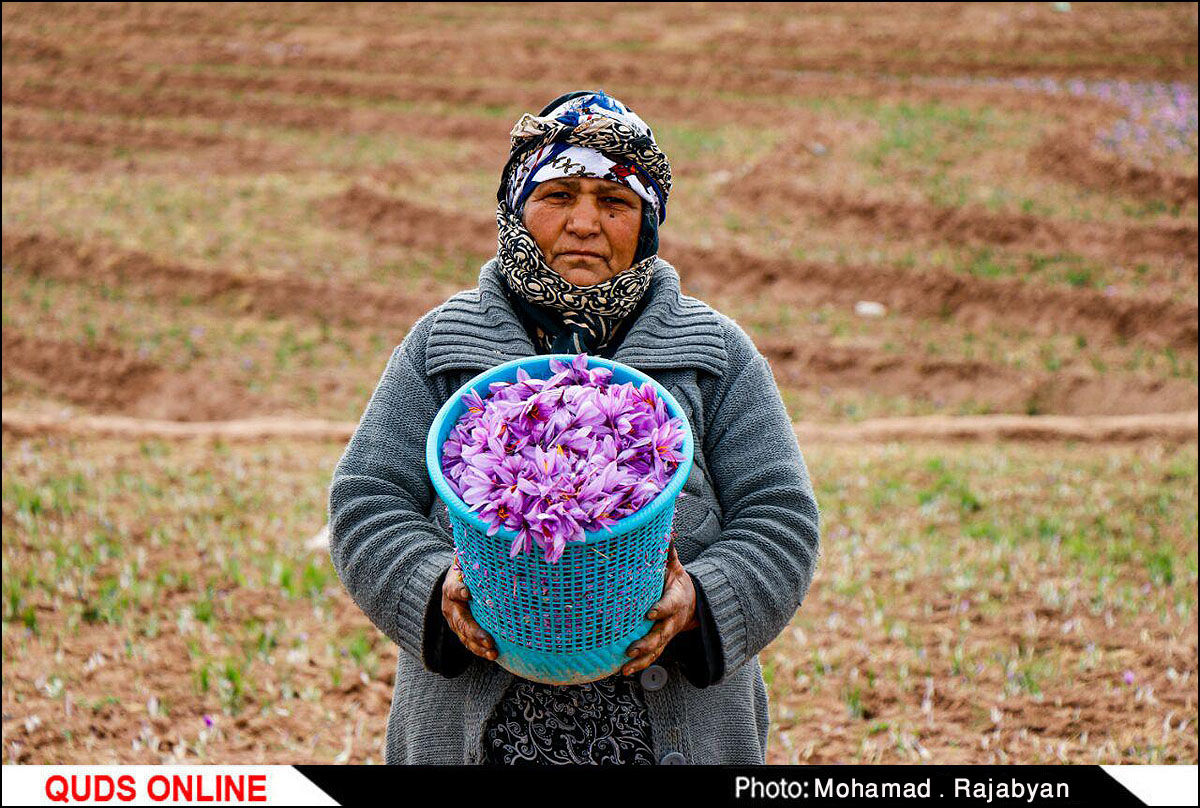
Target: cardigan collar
point(477, 330)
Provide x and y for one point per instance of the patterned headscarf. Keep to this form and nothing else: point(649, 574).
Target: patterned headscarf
point(583, 135)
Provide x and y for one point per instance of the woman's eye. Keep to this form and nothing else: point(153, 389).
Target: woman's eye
point(616, 200)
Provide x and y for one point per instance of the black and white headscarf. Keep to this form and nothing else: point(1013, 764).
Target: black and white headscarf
point(588, 135)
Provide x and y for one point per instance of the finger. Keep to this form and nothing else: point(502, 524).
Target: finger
point(466, 620)
point(474, 630)
point(672, 600)
point(655, 640)
point(454, 586)
point(640, 663)
point(652, 644)
point(469, 632)
point(474, 638)
point(456, 590)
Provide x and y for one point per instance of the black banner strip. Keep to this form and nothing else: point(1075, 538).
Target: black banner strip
point(726, 785)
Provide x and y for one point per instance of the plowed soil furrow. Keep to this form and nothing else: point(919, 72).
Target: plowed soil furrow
point(976, 302)
point(374, 89)
point(973, 302)
point(30, 49)
point(128, 134)
point(808, 366)
point(392, 220)
point(519, 81)
point(931, 223)
point(823, 366)
point(146, 102)
point(1068, 155)
point(1005, 40)
point(105, 378)
point(645, 92)
point(94, 263)
point(124, 145)
point(25, 158)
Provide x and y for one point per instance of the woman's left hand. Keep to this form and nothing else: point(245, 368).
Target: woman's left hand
point(674, 612)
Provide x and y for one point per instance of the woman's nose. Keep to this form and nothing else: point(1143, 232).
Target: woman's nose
point(584, 217)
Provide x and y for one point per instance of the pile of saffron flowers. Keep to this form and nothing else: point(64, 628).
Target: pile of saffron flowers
point(554, 458)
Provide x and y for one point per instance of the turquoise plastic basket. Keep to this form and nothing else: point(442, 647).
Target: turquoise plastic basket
point(571, 621)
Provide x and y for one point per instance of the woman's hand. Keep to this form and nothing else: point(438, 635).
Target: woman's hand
point(455, 597)
point(674, 612)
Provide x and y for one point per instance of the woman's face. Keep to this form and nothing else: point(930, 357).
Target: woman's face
point(587, 228)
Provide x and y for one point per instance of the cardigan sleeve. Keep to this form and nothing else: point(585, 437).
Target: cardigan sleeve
point(759, 569)
point(387, 552)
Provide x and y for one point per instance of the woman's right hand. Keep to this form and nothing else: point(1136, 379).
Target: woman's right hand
point(455, 597)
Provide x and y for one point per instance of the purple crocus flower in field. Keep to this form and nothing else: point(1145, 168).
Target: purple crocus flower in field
point(551, 459)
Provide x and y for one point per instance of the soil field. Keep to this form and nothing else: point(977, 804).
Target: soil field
point(964, 236)
point(167, 603)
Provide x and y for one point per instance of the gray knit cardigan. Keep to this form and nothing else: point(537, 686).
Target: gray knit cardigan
point(747, 519)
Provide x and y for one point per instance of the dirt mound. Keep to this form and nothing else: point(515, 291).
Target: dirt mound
point(366, 88)
point(35, 142)
point(21, 48)
point(974, 302)
point(279, 296)
point(104, 378)
point(99, 375)
point(1069, 156)
point(25, 158)
point(126, 134)
point(766, 189)
point(393, 220)
point(958, 382)
point(646, 92)
point(949, 39)
point(148, 101)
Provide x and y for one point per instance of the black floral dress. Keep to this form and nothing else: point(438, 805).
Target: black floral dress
point(604, 722)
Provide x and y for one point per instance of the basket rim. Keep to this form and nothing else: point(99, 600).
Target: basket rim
point(458, 508)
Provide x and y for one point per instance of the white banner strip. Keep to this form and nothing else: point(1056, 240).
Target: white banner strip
point(159, 785)
point(1158, 785)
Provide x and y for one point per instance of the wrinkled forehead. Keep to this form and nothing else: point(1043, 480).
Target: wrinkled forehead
point(587, 185)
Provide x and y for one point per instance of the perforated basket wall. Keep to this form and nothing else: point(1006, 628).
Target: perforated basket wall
point(573, 620)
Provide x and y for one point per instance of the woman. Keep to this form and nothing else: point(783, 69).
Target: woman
point(580, 202)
